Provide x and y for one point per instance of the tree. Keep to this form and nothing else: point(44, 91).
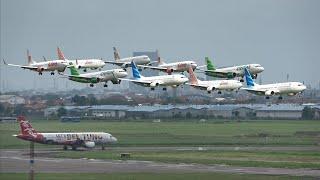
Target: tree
point(62, 112)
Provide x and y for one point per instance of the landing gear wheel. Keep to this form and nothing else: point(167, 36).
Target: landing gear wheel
point(280, 97)
point(91, 85)
point(105, 85)
point(267, 97)
point(219, 92)
point(52, 73)
point(152, 89)
point(164, 89)
point(85, 70)
point(40, 73)
point(241, 80)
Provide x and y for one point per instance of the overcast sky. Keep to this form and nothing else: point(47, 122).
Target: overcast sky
point(281, 35)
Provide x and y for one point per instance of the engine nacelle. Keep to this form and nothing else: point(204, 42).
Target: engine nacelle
point(210, 88)
point(89, 144)
point(125, 66)
point(169, 71)
point(269, 93)
point(231, 75)
point(95, 80)
point(154, 84)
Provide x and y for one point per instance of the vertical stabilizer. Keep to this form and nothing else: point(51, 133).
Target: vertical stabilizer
point(135, 71)
point(30, 61)
point(60, 54)
point(192, 79)
point(74, 71)
point(249, 80)
point(26, 128)
point(116, 54)
point(209, 63)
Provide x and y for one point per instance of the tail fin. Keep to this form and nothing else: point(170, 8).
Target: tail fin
point(74, 71)
point(26, 128)
point(116, 54)
point(210, 65)
point(60, 54)
point(192, 79)
point(30, 61)
point(135, 72)
point(249, 80)
point(160, 62)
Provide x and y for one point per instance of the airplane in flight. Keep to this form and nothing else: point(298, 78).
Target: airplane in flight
point(126, 62)
point(73, 139)
point(112, 75)
point(173, 80)
point(233, 71)
point(209, 86)
point(286, 88)
point(169, 68)
point(40, 67)
point(82, 63)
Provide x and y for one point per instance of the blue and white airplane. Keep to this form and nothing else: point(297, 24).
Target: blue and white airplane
point(173, 80)
point(286, 88)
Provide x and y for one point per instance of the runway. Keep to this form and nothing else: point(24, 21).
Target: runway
point(16, 161)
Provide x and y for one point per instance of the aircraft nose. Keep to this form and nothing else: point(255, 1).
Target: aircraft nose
point(113, 139)
point(261, 69)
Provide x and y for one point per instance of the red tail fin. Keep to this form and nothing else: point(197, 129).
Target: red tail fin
point(60, 54)
point(26, 128)
point(192, 79)
point(29, 57)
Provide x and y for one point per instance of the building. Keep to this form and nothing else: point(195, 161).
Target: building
point(12, 99)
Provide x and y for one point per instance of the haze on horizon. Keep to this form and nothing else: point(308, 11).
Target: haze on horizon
point(283, 36)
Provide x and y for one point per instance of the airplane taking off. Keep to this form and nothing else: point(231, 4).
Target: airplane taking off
point(287, 88)
point(125, 62)
point(82, 63)
point(233, 71)
point(73, 139)
point(169, 68)
point(53, 65)
point(173, 80)
point(112, 75)
point(228, 85)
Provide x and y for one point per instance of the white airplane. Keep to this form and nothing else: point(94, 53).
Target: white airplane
point(53, 65)
point(125, 62)
point(169, 68)
point(287, 88)
point(82, 63)
point(173, 80)
point(112, 75)
point(232, 72)
point(227, 85)
point(73, 139)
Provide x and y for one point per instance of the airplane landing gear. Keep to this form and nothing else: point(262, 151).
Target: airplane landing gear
point(164, 88)
point(52, 73)
point(280, 97)
point(267, 97)
point(219, 92)
point(91, 85)
point(105, 85)
point(40, 73)
point(152, 89)
point(241, 80)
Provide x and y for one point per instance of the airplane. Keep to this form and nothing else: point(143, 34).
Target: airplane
point(173, 80)
point(82, 63)
point(40, 67)
point(169, 68)
point(112, 75)
point(73, 139)
point(233, 71)
point(286, 88)
point(228, 85)
point(125, 62)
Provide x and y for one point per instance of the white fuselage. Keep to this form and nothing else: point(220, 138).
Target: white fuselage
point(289, 88)
point(165, 80)
point(228, 85)
point(107, 75)
point(66, 138)
point(87, 63)
point(138, 60)
point(239, 70)
point(180, 66)
point(54, 65)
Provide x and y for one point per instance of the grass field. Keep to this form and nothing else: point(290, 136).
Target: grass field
point(274, 133)
point(146, 176)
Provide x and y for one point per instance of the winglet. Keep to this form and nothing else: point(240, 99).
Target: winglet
point(135, 71)
point(60, 54)
point(116, 54)
point(192, 79)
point(5, 63)
point(209, 63)
point(249, 80)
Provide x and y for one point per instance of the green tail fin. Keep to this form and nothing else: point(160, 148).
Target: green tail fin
point(74, 71)
point(210, 65)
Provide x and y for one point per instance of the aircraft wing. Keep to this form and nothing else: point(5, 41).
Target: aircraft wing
point(23, 66)
point(153, 67)
point(139, 82)
point(255, 91)
point(218, 73)
point(197, 86)
point(116, 63)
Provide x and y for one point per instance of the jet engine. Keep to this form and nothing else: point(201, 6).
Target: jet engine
point(210, 88)
point(169, 71)
point(154, 84)
point(89, 144)
point(231, 75)
point(271, 92)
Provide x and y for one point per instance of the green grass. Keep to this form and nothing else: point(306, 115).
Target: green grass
point(232, 158)
point(180, 133)
point(145, 176)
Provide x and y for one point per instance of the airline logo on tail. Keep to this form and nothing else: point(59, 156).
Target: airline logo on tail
point(116, 54)
point(135, 71)
point(249, 80)
point(26, 128)
point(60, 54)
point(192, 79)
point(30, 61)
point(210, 66)
point(74, 71)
